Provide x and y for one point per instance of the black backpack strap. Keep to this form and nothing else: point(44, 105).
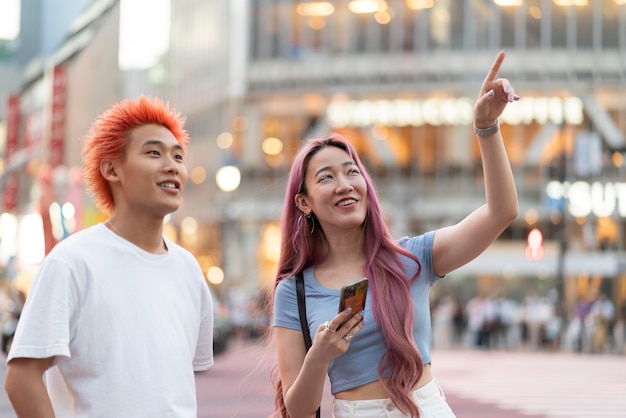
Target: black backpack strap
point(303, 321)
point(302, 310)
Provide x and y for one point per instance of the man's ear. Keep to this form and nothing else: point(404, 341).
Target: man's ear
point(108, 171)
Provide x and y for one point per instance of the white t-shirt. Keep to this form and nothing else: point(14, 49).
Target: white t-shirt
point(126, 328)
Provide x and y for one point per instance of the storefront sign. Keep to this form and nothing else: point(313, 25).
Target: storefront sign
point(57, 138)
point(584, 199)
point(450, 111)
point(33, 132)
point(9, 192)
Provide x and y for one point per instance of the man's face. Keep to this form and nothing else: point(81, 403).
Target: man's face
point(152, 173)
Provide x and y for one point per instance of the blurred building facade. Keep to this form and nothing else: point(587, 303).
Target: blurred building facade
point(396, 77)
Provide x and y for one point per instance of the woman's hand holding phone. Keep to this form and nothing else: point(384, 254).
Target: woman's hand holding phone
point(332, 339)
point(337, 333)
point(353, 296)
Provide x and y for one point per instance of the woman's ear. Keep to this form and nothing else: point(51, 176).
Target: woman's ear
point(107, 169)
point(302, 203)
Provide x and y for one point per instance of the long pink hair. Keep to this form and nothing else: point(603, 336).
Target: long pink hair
point(389, 285)
point(108, 137)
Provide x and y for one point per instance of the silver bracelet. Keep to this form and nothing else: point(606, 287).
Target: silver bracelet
point(489, 130)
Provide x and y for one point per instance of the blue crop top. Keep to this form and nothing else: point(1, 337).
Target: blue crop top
point(359, 365)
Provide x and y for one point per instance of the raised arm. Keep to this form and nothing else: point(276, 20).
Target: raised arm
point(456, 245)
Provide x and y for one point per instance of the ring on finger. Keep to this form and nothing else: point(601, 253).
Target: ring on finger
point(347, 337)
point(327, 327)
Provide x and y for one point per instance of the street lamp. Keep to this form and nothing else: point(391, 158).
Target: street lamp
point(228, 178)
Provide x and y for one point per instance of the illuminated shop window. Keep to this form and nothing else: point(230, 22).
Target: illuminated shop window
point(9, 19)
point(144, 37)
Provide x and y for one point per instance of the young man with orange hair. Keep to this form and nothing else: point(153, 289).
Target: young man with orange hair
point(118, 317)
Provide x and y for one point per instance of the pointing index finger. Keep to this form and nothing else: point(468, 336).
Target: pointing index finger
point(495, 67)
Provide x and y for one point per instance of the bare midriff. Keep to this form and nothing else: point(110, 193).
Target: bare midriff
point(375, 390)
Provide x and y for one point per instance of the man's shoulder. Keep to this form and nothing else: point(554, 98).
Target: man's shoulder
point(83, 239)
point(179, 249)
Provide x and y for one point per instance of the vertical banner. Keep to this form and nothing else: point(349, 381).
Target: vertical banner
point(59, 97)
point(45, 200)
point(56, 156)
point(9, 192)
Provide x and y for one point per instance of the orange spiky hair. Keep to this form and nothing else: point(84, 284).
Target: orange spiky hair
point(109, 134)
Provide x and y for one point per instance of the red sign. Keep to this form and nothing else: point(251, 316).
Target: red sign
point(59, 100)
point(33, 131)
point(9, 192)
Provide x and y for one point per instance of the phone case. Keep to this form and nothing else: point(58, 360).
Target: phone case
point(353, 295)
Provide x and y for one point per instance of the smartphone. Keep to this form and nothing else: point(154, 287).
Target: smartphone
point(353, 296)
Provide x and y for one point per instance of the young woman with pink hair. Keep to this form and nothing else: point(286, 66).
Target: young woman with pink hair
point(334, 233)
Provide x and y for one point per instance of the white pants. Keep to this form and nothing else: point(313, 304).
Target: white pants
point(429, 398)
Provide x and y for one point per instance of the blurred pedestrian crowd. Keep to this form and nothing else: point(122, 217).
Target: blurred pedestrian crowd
point(591, 325)
point(497, 321)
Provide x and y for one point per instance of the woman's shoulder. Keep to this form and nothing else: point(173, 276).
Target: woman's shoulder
point(418, 243)
point(286, 286)
point(421, 246)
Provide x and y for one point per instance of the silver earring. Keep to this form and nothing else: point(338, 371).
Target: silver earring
point(308, 216)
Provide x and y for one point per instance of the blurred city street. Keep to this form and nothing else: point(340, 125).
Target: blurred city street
point(533, 327)
point(485, 384)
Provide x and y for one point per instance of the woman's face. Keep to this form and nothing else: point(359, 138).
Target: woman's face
point(337, 192)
